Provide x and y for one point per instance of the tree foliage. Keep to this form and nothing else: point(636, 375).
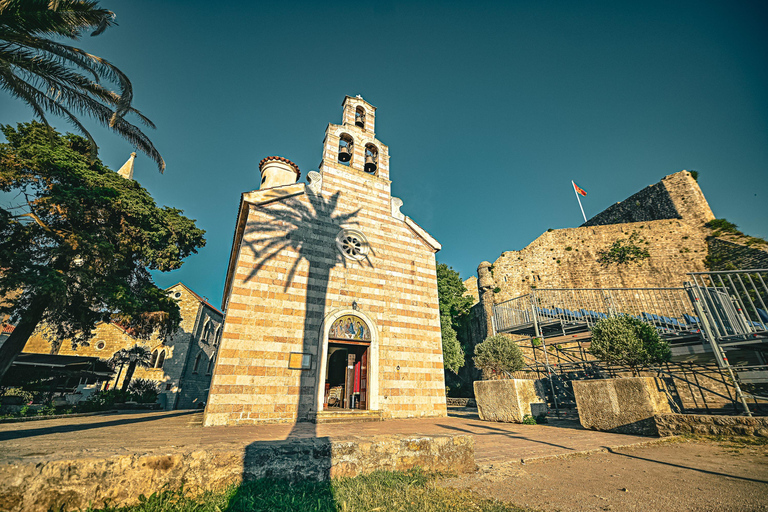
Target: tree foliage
point(78, 242)
point(629, 341)
point(453, 354)
point(52, 77)
point(136, 356)
point(499, 354)
point(623, 252)
point(450, 290)
point(454, 310)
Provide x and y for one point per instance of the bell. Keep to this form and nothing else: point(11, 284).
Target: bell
point(370, 164)
point(360, 121)
point(345, 154)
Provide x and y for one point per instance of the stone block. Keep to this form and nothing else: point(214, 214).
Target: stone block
point(120, 480)
point(507, 400)
point(625, 406)
point(676, 424)
point(538, 409)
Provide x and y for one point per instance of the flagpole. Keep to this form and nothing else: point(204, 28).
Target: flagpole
point(579, 200)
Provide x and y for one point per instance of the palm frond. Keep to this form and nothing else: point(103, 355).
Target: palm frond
point(63, 80)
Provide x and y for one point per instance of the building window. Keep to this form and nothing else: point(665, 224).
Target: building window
point(360, 117)
point(160, 359)
point(210, 365)
point(197, 362)
point(371, 159)
point(100, 345)
point(153, 360)
point(352, 244)
point(346, 147)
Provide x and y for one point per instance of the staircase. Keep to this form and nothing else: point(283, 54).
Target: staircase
point(347, 416)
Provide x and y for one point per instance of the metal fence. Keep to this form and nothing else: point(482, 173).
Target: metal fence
point(668, 309)
point(733, 303)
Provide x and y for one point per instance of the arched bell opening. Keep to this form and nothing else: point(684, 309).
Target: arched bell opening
point(371, 159)
point(346, 147)
point(360, 117)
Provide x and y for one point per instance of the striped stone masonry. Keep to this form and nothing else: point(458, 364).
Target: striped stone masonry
point(289, 280)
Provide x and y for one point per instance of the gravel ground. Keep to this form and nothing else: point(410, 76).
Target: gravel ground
point(689, 475)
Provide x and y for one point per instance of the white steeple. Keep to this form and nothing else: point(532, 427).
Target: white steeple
point(126, 171)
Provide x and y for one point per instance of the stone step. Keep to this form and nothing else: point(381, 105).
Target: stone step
point(347, 416)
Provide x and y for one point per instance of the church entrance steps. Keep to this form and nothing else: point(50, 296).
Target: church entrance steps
point(347, 416)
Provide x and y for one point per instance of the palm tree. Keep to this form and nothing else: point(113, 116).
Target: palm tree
point(133, 357)
point(63, 80)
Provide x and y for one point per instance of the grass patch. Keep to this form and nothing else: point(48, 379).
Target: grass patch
point(407, 491)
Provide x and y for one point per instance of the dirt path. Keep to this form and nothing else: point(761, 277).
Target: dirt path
point(673, 476)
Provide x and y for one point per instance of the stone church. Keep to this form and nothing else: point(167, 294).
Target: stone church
point(330, 294)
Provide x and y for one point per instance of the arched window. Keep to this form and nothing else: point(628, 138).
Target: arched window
point(160, 359)
point(197, 362)
point(153, 360)
point(360, 117)
point(346, 147)
point(371, 159)
point(218, 337)
point(210, 365)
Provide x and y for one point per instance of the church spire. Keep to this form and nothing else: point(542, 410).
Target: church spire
point(126, 171)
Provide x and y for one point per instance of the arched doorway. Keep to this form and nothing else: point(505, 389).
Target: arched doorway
point(346, 369)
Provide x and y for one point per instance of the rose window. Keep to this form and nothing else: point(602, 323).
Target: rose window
point(352, 244)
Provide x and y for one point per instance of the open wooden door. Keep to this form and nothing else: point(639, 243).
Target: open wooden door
point(364, 380)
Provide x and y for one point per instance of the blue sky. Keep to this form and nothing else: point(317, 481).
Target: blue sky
point(489, 109)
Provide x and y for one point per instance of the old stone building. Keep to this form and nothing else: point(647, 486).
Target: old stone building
point(182, 365)
point(330, 294)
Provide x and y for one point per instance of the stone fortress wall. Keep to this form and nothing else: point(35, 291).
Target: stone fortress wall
point(668, 217)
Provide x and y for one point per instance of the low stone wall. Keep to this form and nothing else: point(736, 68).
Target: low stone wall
point(675, 424)
point(460, 402)
point(625, 406)
point(506, 400)
point(75, 484)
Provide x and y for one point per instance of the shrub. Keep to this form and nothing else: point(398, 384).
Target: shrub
point(629, 341)
point(144, 391)
point(529, 420)
point(498, 354)
point(623, 252)
point(722, 225)
point(102, 400)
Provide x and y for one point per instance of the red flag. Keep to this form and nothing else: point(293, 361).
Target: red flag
point(579, 190)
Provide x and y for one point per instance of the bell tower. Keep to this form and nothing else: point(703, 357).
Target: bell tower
point(352, 145)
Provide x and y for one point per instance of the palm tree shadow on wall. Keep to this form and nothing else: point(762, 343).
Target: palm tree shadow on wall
point(308, 229)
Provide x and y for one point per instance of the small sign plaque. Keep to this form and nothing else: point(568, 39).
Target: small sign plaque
point(299, 361)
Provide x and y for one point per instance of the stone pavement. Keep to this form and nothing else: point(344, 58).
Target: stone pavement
point(182, 431)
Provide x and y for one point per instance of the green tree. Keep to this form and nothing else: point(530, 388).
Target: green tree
point(629, 341)
point(55, 78)
point(454, 310)
point(77, 246)
point(499, 354)
point(133, 357)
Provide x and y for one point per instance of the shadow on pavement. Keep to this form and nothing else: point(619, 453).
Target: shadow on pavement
point(60, 429)
point(500, 432)
point(716, 473)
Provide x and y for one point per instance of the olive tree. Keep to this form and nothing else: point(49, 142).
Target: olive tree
point(628, 341)
point(498, 354)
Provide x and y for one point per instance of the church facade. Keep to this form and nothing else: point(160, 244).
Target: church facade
point(331, 293)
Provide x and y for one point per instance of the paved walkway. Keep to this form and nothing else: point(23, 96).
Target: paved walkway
point(165, 432)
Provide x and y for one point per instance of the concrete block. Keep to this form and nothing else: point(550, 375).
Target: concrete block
point(507, 400)
point(625, 406)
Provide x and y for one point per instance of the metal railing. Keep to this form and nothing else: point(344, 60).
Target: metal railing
point(668, 309)
point(733, 302)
